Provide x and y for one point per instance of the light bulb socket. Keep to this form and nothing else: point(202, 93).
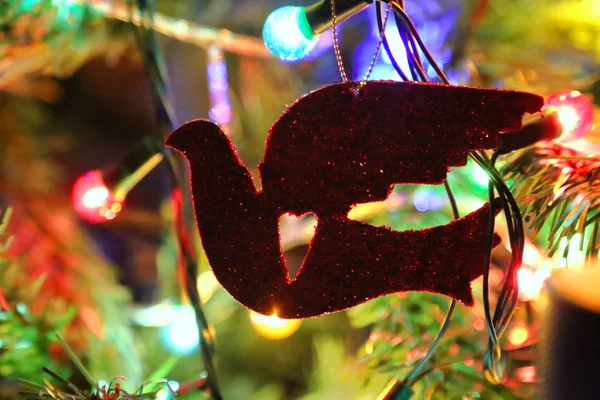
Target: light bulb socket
point(540, 127)
point(319, 18)
point(123, 176)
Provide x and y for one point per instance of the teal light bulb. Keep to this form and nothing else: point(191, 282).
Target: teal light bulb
point(288, 35)
point(181, 334)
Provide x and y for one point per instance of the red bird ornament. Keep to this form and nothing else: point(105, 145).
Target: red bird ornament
point(332, 149)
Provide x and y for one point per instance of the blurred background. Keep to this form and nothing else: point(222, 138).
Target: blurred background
point(75, 96)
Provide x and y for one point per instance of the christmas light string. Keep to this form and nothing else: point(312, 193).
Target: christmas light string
point(99, 195)
point(189, 264)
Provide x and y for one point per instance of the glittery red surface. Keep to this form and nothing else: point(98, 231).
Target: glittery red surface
point(331, 150)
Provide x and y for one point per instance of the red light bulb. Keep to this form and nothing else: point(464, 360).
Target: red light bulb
point(575, 113)
point(93, 200)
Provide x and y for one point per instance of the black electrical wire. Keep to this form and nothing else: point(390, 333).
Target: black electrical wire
point(386, 44)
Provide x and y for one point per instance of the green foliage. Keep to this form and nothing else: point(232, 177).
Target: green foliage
point(531, 44)
point(558, 24)
point(112, 391)
point(558, 192)
point(336, 376)
point(402, 328)
point(25, 338)
point(62, 388)
point(51, 37)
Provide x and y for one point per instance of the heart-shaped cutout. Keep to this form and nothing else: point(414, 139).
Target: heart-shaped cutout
point(295, 233)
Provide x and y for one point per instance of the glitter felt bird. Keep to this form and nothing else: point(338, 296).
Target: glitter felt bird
point(332, 149)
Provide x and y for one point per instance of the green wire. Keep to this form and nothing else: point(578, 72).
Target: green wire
point(509, 294)
point(417, 69)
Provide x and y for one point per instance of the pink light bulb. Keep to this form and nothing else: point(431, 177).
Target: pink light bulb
point(93, 200)
point(575, 113)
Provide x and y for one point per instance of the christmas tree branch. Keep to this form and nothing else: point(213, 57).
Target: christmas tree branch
point(96, 391)
point(558, 192)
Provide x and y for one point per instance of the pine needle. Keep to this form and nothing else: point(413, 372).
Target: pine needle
point(77, 361)
point(558, 190)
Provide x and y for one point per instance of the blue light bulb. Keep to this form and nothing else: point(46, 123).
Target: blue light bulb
point(288, 35)
point(181, 334)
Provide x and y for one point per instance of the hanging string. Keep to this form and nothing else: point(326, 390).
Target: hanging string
point(508, 297)
point(147, 43)
point(336, 46)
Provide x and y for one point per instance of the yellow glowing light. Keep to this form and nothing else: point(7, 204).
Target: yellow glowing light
point(95, 197)
point(569, 118)
point(531, 282)
point(273, 327)
point(363, 211)
point(531, 256)
point(518, 336)
point(527, 285)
